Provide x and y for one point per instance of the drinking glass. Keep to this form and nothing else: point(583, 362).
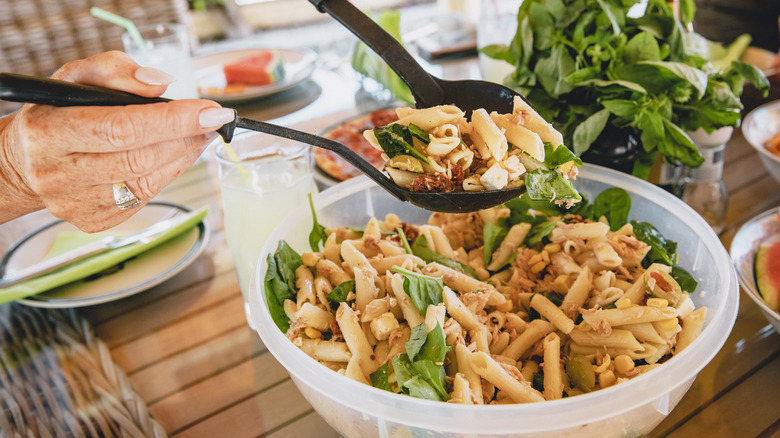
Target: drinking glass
point(497, 25)
point(262, 178)
point(167, 48)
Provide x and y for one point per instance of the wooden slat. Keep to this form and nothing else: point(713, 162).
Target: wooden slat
point(254, 416)
point(199, 363)
point(745, 411)
point(230, 387)
point(180, 336)
point(310, 425)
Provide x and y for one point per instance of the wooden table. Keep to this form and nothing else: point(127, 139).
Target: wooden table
point(188, 352)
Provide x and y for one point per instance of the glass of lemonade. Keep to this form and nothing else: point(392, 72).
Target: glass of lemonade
point(497, 25)
point(262, 178)
point(167, 48)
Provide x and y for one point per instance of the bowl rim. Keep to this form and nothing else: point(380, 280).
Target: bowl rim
point(749, 283)
point(746, 122)
point(658, 384)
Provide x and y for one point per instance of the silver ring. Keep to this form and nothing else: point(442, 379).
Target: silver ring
point(124, 197)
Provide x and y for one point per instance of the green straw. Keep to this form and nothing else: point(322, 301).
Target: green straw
point(120, 21)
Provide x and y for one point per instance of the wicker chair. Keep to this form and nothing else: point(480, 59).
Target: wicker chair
point(38, 36)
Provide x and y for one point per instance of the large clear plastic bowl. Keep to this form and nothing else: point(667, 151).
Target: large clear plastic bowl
point(629, 409)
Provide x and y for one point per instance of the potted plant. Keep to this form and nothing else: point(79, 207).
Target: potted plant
point(623, 90)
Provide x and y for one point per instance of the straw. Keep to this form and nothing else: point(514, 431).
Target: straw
point(231, 153)
point(121, 21)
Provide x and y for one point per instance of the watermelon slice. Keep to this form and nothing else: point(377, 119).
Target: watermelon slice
point(262, 68)
point(768, 274)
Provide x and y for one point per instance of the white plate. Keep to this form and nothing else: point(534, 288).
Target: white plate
point(134, 275)
point(298, 66)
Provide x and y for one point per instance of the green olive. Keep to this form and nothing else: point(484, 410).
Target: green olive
point(580, 371)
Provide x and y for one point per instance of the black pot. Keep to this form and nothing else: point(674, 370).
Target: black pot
point(616, 148)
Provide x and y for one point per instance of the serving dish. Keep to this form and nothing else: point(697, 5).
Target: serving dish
point(760, 125)
point(135, 275)
point(298, 66)
point(631, 408)
point(762, 229)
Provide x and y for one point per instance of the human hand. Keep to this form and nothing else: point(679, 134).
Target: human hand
point(67, 159)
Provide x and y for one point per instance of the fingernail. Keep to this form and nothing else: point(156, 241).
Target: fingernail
point(211, 117)
point(152, 76)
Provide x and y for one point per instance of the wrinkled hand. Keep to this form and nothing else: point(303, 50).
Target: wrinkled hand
point(66, 159)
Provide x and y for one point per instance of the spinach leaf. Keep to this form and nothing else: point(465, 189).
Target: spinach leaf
point(410, 381)
point(661, 250)
point(420, 249)
point(396, 139)
point(422, 289)
point(554, 157)
point(318, 235)
point(379, 378)
point(614, 204)
point(433, 374)
point(418, 132)
point(492, 235)
point(540, 231)
point(339, 293)
point(549, 185)
point(684, 279)
point(280, 282)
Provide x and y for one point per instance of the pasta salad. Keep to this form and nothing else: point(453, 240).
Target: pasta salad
point(438, 149)
point(520, 303)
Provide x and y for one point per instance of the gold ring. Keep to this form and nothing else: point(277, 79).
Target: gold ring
point(124, 198)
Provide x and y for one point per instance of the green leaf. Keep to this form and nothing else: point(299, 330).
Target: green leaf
point(684, 279)
point(420, 249)
point(621, 107)
point(642, 47)
point(280, 282)
point(540, 231)
point(339, 293)
point(549, 185)
point(588, 131)
point(500, 52)
point(610, 15)
point(554, 157)
point(434, 375)
point(379, 378)
point(492, 235)
point(687, 10)
point(752, 74)
point(422, 289)
point(661, 250)
point(418, 132)
point(613, 203)
point(317, 235)
point(395, 139)
point(410, 380)
point(404, 241)
point(553, 70)
point(694, 76)
point(681, 147)
point(416, 341)
point(435, 347)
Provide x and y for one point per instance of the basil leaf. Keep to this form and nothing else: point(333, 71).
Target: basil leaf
point(318, 235)
point(379, 378)
point(435, 346)
point(421, 250)
point(422, 289)
point(419, 388)
point(492, 235)
point(614, 204)
point(588, 131)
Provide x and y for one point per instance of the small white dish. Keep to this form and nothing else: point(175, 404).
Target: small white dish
point(135, 275)
point(298, 66)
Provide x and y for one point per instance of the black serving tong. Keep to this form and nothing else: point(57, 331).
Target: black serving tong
point(19, 88)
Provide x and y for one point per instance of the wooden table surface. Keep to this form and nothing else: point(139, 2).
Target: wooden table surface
point(188, 351)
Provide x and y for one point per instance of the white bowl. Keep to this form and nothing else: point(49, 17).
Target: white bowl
point(630, 409)
point(764, 228)
point(760, 125)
